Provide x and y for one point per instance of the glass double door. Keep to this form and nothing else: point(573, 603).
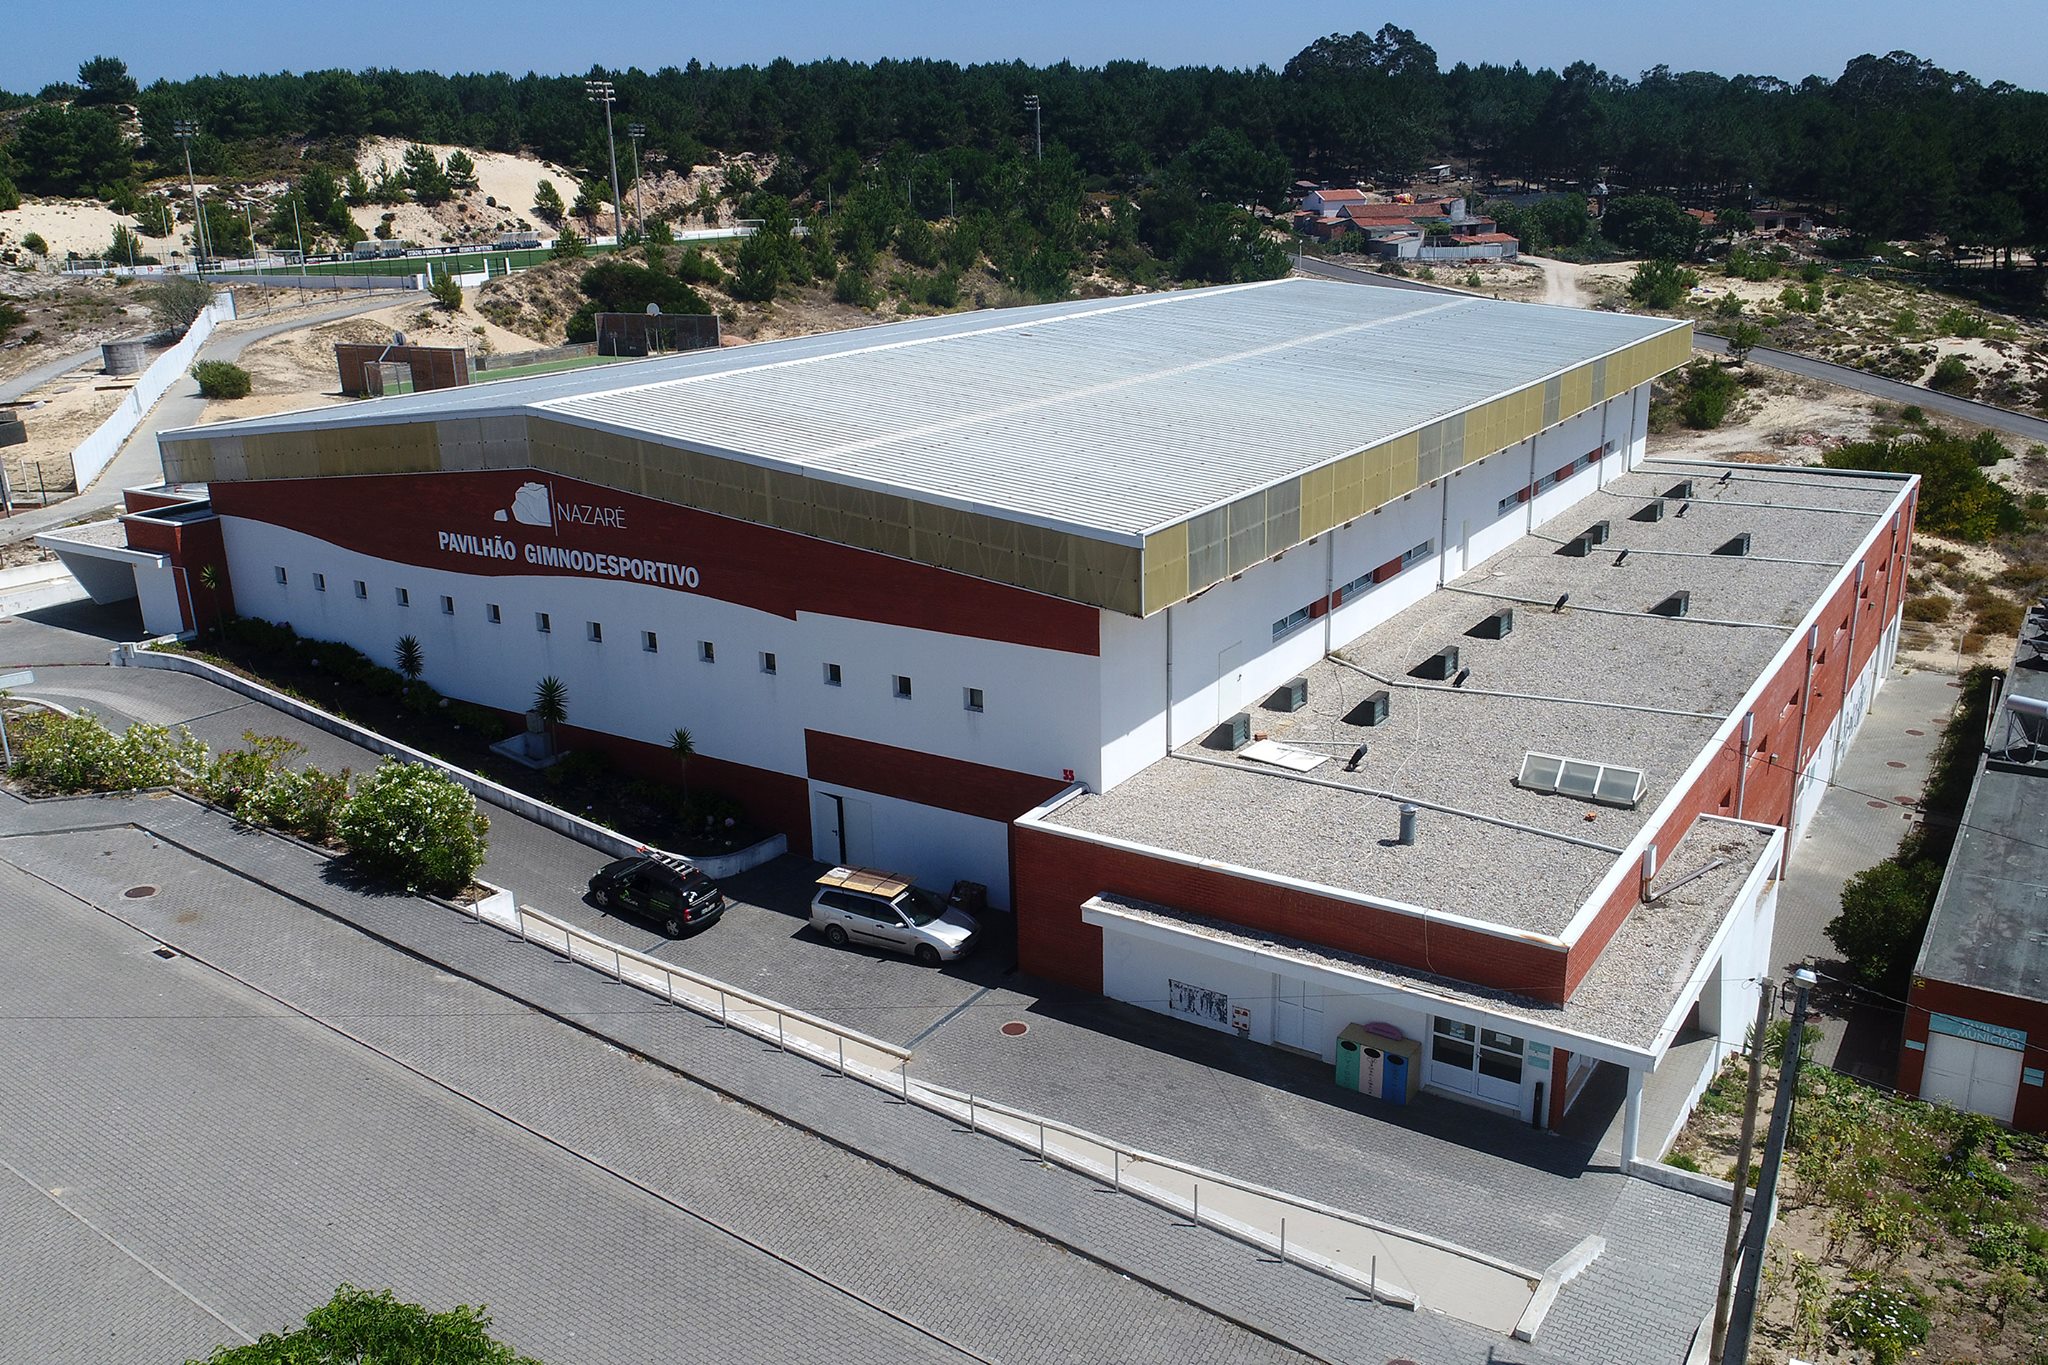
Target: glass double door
point(1476, 1061)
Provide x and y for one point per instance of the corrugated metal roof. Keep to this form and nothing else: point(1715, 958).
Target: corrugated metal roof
point(1108, 417)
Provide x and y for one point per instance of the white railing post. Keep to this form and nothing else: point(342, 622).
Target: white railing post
point(722, 1020)
point(779, 1043)
point(1116, 1168)
point(1283, 1241)
point(842, 1053)
point(1197, 1217)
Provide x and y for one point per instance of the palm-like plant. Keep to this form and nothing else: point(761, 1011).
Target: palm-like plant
point(684, 748)
point(551, 703)
point(209, 579)
point(411, 658)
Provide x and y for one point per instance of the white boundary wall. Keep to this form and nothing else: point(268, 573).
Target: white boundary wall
point(96, 451)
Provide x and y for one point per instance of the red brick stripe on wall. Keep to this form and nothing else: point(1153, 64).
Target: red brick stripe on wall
point(1054, 875)
point(399, 517)
point(948, 783)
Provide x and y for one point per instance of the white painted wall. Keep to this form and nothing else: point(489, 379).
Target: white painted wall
point(1040, 705)
point(935, 848)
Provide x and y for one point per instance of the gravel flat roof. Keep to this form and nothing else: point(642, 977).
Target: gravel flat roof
point(1601, 681)
point(1632, 989)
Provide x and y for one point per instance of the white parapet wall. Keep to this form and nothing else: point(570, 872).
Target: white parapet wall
point(96, 451)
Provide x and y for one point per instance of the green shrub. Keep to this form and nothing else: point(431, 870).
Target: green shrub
point(1886, 1320)
point(1960, 322)
point(33, 241)
point(1931, 607)
point(356, 1325)
point(260, 787)
point(1957, 500)
point(852, 287)
point(1952, 375)
point(445, 291)
point(176, 304)
point(219, 379)
point(80, 754)
point(414, 826)
point(1660, 284)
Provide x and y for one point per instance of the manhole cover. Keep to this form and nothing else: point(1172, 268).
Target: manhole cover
point(139, 893)
point(1893, 764)
point(1874, 805)
point(1915, 733)
point(1016, 1028)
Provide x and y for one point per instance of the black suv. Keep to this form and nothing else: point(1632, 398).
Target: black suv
point(665, 893)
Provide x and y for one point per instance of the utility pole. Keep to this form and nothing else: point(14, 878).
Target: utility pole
point(185, 129)
point(300, 238)
point(249, 217)
point(600, 92)
point(1731, 1248)
point(637, 131)
point(1742, 1321)
point(1037, 134)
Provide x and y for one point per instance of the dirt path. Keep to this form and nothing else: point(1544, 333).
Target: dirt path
point(1560, 282)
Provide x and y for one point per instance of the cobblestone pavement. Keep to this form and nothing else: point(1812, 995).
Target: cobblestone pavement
point(1440, 1167)
point(537, 1167)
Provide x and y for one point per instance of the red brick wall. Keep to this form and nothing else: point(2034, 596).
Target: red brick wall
point(1054, 874)
point(191, 546)
point(928, 779)
point(2030, 1110)
point(776, 801)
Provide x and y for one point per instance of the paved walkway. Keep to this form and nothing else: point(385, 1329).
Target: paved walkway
point(181, 406)
point(1438, 1166)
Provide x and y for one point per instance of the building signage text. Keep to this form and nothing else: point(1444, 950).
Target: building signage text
point(637, 569)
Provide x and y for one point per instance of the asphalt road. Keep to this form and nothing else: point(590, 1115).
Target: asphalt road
point(181, 406)
point(1790, 362)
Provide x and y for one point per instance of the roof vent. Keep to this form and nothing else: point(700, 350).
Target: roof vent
point(1597, 532)
point(1576, 548)
point(1680, 490)
point(1495, 626)
point(1739, 546)
point(1581, 779)
point(1678, 604)
point(1292, 695)
point(1371, 711)
point(1653, 510)
point(1437, 666)
point(1232, 734)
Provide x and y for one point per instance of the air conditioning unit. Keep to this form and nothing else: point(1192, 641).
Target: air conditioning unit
point(1371, 711)
point(1496, 626)
point(1679, 491)
point(1292, 695)
point(1739, 546)
point(1678, 604)
point(1437, 666)
point(1653, 510)
point(1596, 533)
point(1232, 734)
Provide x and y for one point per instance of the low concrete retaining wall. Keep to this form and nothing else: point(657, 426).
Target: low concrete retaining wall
point(1689, 1182)
point(96, 451)
point(519, 803)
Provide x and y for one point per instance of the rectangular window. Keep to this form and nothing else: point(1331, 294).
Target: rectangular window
point(492, 613)
point(593, 631)
point(707, 651)
point(447, 606)
point(649, 642)
point(903, 687)
point(1418, 554)
point(974, 701)
point(1290, 623)
point(319, 582)
point(833, 677)
point(279, 571)
point(767, 662)
point(1358, 586)
point(405, 597)
point(541, 622)
point(362, 590)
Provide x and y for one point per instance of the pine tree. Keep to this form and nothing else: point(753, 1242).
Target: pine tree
point(461, 170)
point(547, 203)
point(424, 174)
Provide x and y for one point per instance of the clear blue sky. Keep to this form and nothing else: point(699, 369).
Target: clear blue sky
point(2001, 40)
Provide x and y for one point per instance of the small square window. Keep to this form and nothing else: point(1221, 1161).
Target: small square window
point(493, 614)
point(974, 699)
point(541, 622)
point(707, 651)
point(319, 582)
point(405, 597)
point(903, 687)
point(362, 590)
point(649, 642)
point(833, 677)
point(767, 662)
point(593, 631)
point(280, 573)
point(447, 606)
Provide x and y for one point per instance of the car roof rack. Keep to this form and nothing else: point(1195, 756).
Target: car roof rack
point(867, 879)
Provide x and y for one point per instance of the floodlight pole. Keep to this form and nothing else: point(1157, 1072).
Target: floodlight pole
point(249, 217)
point(1037, 134)
point(601, 93)
point(300, 238)
point(637, 131)
point(185, 130)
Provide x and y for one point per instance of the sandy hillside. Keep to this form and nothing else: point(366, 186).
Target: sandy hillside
point(511, 180)
point(58, 415)
point(79, 225)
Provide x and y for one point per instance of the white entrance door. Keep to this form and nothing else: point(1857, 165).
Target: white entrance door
point(1980, 1078)
point(842, 829)
point(1476, 1061)
point(1297, 1014)
point(1229, 681)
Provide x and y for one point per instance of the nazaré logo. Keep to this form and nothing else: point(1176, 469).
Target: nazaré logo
point(531, 506)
